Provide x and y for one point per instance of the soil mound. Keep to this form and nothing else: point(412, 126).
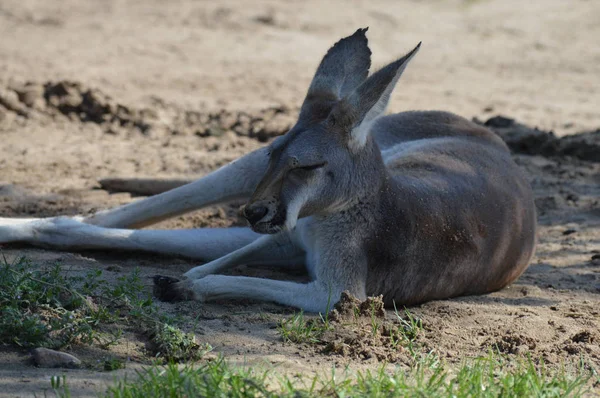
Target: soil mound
point(361, 330)
point(532, 141)
point(78, 102)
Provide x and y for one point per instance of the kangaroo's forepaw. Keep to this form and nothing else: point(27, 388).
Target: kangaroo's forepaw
point(171, 289)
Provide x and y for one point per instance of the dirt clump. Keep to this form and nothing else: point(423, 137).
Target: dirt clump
point(349, 308)
point(584, 342)
point(583, 337)
point(360, 330)
point(74, 100)
point(262, 126)
point(514, 344)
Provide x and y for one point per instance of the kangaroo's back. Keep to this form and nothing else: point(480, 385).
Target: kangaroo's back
point(468, 214)
point(388, 131)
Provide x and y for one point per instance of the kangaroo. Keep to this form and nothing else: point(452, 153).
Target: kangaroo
point(414, 206)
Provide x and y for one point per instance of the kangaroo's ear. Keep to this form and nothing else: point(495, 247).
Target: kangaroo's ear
point(358, 111)
point(344, 67)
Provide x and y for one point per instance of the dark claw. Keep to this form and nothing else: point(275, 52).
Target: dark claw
point(170, 289)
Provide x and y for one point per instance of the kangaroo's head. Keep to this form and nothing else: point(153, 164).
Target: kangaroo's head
point(326, 160)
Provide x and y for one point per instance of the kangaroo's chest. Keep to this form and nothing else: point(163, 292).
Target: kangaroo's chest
point(326, 241)
point(306, 237)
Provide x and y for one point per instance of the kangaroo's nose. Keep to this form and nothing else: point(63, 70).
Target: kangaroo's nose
point(255, 213)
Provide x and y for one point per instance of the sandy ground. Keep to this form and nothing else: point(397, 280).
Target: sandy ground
point(175, 89)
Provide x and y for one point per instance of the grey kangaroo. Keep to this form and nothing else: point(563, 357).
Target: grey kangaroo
point(415, 206)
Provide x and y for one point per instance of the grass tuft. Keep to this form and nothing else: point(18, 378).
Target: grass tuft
point(110, 364)
point(38, 308)
point(175, 345)
point(299, 329)
point(482, 377)
point(214, 379)
point(48, 306)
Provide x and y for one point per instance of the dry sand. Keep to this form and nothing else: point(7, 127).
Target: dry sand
point(173, 67)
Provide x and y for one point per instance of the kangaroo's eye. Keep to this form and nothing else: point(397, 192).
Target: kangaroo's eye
point(306, 170)
point(313, 167)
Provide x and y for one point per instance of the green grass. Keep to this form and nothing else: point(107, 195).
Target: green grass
point(406, 333)
point(491, 376)
point(50, 306)
point(300, 329)
point(54, 307)
point(410, 326)
point(483, 377)
point(112, 363)
point(173, 344)
point(39, 308)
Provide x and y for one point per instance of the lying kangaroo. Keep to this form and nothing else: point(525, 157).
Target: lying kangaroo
point(416, 206)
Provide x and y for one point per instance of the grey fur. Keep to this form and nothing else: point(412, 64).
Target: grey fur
point(426, 206)
point(416, 206)
point(344, 67)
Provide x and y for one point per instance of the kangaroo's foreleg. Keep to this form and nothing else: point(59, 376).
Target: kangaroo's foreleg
point(311, 297)
point(319, 295)
point(279, 249)
point(236, 180)
point(339, 267)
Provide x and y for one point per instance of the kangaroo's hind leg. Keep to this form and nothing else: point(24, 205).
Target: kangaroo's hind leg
point(204, 244)
point(15, 229)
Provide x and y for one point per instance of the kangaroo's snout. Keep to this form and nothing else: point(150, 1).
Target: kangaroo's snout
point(255, 213)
